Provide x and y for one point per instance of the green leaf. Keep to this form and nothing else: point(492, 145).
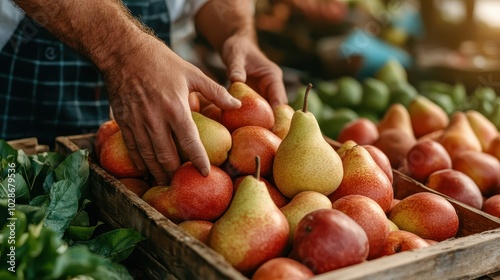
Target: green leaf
point(81, 233)
point(117, 244)
point(41, 201)
point(53, 159)
point(43, 254)
point(63, 206)
point(48, 182)
point(6, 149)
point(24, 166)
point(74, 168)
point(40, 171)
point(34, 214)
point(18, 185)
point(78, 260)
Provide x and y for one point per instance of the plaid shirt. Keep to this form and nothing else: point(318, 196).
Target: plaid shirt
point(48, 90)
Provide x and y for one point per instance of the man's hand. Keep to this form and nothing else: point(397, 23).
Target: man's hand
point(149, 97)
point(147, 83)
point(228, 26)
point(246, 63)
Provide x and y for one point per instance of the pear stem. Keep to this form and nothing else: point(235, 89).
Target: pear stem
point(257, 167)
point(304, 106)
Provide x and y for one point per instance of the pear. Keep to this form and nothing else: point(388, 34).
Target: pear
point(304, 160)
point(363, 176)
point(253, 230)
point(345, 146)
point(254, 110)
point(302, 204)
point(484, 129)
point(282, 117)
point(459, 136)
point(215, 138)
point(396, 116)
point(426, 116)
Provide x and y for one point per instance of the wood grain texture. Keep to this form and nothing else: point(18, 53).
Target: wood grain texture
point(173, 253)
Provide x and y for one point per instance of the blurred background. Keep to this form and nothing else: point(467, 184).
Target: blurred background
point(338, 44)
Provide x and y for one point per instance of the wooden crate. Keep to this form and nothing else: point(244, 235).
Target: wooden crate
point(171, 253)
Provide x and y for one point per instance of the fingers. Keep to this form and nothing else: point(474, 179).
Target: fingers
point(189, 141)
point(277, 93)
point(143, 154)
point(215, 93)
point(162, 156)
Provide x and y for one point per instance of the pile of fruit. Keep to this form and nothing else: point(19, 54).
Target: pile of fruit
point(339, 101)
point(280, 201)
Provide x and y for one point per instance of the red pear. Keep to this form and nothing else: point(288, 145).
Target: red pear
point(328, 239)
point(137, 186)
point(381, 159)
point(363, 176)
point(361, 130)
point(494, 148)
point(199, 229)
point(426, 157)
point(418, 213)
point(399, 241)
point(484, 129)
point(491, 205)
point(426, 116)
point(369, 215)
point(459, 136)
point(248, 142)
point(395, 145)
point(282, 269)
point(116, 160)
point(254, 110)
point(483, 168)
point(106, 129)
point(397, 117)
point(456, 185)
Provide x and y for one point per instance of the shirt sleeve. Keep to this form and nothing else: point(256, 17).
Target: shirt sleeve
point(181, 9)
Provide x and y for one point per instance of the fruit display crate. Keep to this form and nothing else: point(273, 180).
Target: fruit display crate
point(170, 253)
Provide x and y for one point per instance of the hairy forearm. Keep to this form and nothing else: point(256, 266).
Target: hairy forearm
point(98, 29)
point(217, 20)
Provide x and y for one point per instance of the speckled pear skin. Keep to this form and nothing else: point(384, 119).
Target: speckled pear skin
point(253, 230)
point(304, 160)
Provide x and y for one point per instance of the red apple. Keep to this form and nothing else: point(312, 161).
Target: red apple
point(279, 199)
point(369, 215)
point(361, 130)
point(491, 205)
point(400, 240)
point(425, 157)
point(456, 185)
point(328, 239)
point(248, 142)
point(427, 215)
point(282, 268)
point(483, 168)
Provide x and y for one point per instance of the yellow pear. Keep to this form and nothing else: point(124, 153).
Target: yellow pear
point(459, 136)
point(304, 160)
point(215, 138)
point(283, 114)
point(302, 204)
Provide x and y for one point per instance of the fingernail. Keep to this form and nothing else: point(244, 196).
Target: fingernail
point(204, 171)
point(236, 102)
